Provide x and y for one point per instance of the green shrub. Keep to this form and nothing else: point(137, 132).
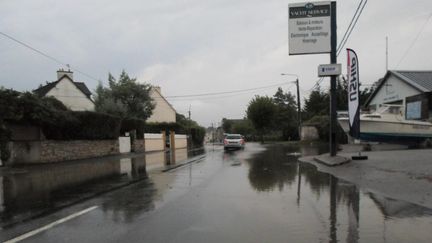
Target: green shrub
point(4, 138)
point(131, 124)
point(86, 125)
point(157, 127)
point(96, 126)
point(197, 135)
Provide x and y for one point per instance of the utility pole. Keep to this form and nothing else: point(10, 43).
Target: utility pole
point(213, 135)
point(189, 112)
point(189, 136)
point(386, 53)
point(299, 121)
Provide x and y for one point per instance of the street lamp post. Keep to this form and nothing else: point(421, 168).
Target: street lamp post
point(298, 101)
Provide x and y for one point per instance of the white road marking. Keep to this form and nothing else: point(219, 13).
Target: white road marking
point(49, 226)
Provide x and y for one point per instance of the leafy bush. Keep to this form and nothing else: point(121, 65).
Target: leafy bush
point(95, 126)
point(4, 138)
point(87, 125)
point(59, 123)
point(197, 135)
point(154, 127)
point(54, 118)
point(130, 124)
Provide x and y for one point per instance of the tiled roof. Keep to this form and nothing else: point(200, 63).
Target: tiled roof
point(42, 91)
point(421, 80)
point(417, 78)
point(81, 86)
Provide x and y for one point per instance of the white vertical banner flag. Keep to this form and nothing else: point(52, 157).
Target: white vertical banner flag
point(353, 93)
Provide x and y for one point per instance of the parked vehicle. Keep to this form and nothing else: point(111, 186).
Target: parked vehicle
point(234, 141)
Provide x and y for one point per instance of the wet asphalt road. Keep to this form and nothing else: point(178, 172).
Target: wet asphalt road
point(256, 195)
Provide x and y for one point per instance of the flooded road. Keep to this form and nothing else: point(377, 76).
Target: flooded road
point(260, 194)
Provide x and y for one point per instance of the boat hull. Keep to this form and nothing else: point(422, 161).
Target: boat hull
point(390, 131)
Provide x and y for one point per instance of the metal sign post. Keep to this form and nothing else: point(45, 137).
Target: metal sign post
point(333, 60)
point(312, 30)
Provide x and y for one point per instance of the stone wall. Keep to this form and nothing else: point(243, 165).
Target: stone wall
point(52, 151)
point(138, 145)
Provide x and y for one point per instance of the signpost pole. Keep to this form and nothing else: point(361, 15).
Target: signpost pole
point(333, 57)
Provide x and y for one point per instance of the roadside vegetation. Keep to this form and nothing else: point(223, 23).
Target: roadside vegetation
point(276, 119)
point(121, 107)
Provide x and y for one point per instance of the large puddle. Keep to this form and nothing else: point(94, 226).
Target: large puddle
point(255, 195)
point(33, 191)
point(325, 208)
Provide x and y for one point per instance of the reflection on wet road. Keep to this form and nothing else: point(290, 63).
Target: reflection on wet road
point(38, 190)
point(261, 194)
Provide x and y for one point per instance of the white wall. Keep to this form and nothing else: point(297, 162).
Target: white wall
point(180, 141)
point(154, 142)
point(124, 144)
point(393, 90)
point(163, 112)
point(71, 96)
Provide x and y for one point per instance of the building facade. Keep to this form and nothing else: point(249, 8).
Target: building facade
point(396, 86)
point(74, 95)
point(163, 111)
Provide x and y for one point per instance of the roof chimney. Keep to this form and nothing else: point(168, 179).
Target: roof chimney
point(61, 73)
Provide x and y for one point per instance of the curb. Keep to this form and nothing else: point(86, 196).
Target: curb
point(200, 157)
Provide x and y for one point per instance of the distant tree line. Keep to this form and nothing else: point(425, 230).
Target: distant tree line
point(276, 117)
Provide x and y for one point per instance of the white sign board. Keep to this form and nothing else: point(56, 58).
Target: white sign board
point(325, 70)
point(309, 28)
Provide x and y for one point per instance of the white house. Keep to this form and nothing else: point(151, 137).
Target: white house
point(396, 86)
point(163, 111)
point(74, 95)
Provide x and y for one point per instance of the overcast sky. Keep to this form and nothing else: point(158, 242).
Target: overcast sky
point(196, 46)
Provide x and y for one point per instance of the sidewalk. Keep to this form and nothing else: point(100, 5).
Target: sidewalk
point(400, 174)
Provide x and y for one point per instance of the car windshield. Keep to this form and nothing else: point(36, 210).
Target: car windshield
point(233, 137)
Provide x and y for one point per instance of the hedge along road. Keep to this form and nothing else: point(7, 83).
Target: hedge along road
point(261, 194)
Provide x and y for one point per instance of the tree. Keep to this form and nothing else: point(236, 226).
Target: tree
point(227, 125)
point(317, 104)
point(286, 114)
point(261, 111)
point(244, 127)
point(125, 97)
point(105, 103)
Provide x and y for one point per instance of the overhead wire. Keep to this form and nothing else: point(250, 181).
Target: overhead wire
point(223, 96)
point(56, 60)
point(349, 26)
point(414, 41)
point(347, 34)
point(343, 41)
point(225, 92)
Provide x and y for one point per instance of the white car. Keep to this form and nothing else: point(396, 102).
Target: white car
point(235, 141)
